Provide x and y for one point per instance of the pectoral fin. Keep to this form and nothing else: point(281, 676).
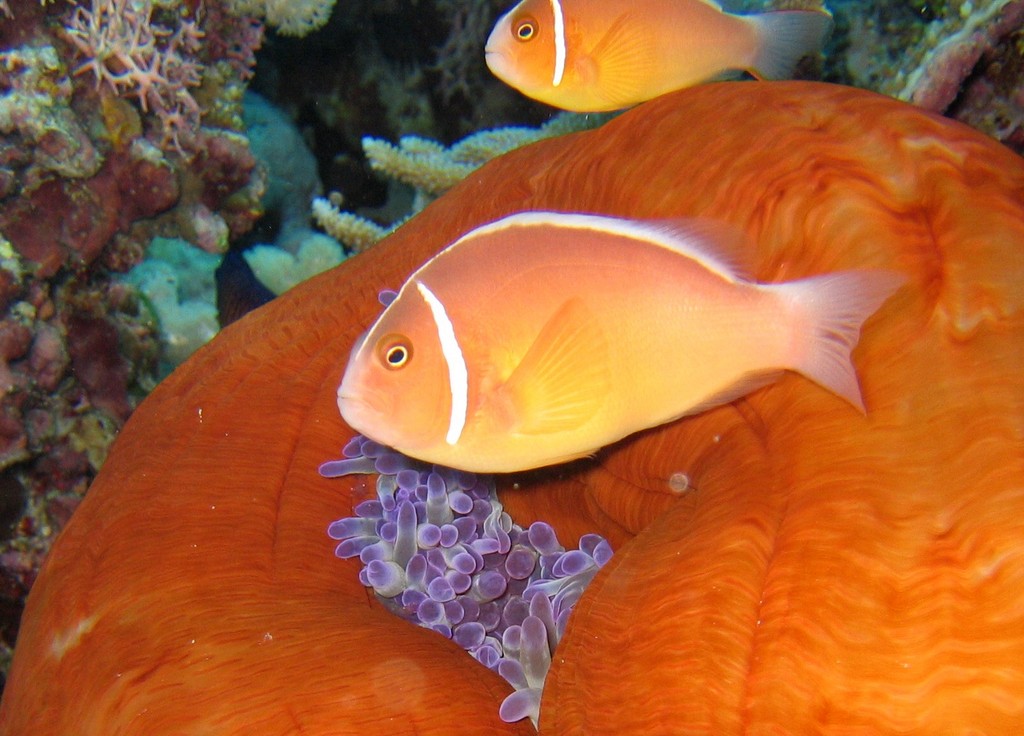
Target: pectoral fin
point(563, 379)
point(624, 62)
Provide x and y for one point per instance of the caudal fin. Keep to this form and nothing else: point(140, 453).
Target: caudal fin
point(786, 36)
point(829, 311)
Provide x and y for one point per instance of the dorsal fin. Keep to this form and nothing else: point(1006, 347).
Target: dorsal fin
point(720, 246)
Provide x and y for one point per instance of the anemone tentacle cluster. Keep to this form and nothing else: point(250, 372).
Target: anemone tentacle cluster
point(439, 551)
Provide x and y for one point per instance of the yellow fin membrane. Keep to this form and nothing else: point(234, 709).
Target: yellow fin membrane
point(624, 62)
point(563, 379)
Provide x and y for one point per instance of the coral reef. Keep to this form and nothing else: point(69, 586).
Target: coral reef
point(279, 270)
point(356, 232)
point(76, 356)
point(122, 123)
point(290, 17)
point(386, 70)
point(178, 281)
point(431, 168)
point(132, 55)
point(87, 122)
point(119, 122)
point(292, 177)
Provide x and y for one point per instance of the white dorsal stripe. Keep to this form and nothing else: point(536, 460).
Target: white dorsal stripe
point(559, 32)
point(458, 375)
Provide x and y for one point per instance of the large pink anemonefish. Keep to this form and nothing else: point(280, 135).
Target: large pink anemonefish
point(596, 55)
point(545, 336)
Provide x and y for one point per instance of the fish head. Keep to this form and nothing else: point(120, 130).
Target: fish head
point(395, 389)
point(521, 50)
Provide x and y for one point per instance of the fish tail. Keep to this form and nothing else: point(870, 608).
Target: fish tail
point(829, 311)
point(786, 36)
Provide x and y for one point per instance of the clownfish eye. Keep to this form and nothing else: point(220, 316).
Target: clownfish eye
point(524, 29)
point(394, 352)
point(396, 356)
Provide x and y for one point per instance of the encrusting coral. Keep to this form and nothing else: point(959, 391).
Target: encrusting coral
point(176, 282)
point(958, 58)
point(280, 270)
point(117, 123)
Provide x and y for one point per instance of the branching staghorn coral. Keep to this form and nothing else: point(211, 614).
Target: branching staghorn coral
point(431, 169)
point(357, 233)
point(290, 17)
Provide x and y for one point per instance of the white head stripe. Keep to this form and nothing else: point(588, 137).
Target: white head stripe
point(458, 375)
point(559, 31)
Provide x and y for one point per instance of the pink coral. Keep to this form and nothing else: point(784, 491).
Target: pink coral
point(133, 56)
point(940, 78)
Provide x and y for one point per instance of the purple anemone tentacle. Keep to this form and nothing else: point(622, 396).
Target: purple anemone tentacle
point(439, 550)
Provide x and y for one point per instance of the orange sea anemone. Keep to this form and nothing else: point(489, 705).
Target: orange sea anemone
point(784, 564)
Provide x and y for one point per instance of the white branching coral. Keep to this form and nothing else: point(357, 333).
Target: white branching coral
point(422, 163)
point(290, 17)
point(355, 232)
point(431, 169)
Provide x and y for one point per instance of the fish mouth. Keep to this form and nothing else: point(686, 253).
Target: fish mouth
point(366, 418)
point(496, 62)
point(354, 411)
point(351, 401)
point(358, 411)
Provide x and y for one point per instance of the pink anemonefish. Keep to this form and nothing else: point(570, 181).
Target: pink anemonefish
point(597, 55)
point(545, 336)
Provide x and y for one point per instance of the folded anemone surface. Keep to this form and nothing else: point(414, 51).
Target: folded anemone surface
point(783, 564)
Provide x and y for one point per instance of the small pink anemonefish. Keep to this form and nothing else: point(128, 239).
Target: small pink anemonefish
point(597, 55)
point(545, 336)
